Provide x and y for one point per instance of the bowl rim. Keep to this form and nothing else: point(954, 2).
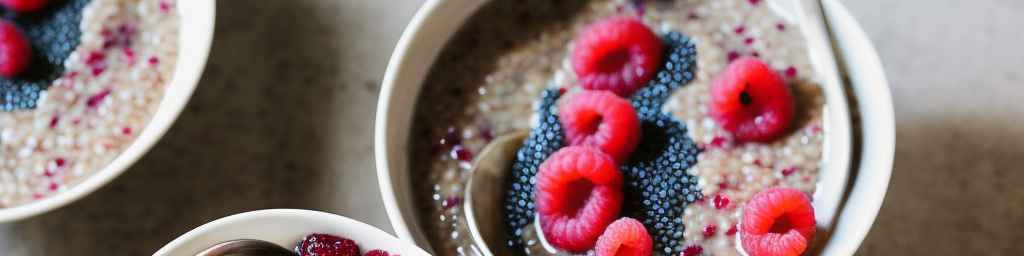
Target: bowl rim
point(243, 225)
point(197, 23)
point(865, 192)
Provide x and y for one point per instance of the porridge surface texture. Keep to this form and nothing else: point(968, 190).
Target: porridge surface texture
point(487, 81)
point(113, 83)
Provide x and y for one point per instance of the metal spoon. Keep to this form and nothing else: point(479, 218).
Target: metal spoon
point(246, 247)
point(484, 191)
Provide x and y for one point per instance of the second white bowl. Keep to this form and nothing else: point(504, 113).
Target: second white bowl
point(196, 36)
point(285, 227)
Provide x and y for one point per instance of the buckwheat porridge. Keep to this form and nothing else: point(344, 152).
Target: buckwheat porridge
point(110, 64)
point(499, 74)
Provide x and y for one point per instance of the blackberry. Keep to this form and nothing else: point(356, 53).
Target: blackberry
point(543, 140)
point(658, 188)
point(678, 70)
point(53, 33)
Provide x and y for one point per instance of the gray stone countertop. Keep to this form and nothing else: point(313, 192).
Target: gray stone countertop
point(284, 113)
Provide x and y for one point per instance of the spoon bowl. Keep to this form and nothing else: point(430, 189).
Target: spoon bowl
point(484, 193)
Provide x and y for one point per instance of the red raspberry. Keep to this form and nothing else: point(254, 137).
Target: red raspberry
point(751, 101)
point(603, 120)
point(326, 245)
point(15, 52)
point(625, 237)
point(24, 5)
point(377, 252)
point(777, 221)
point(579, 192)
point(619, 54)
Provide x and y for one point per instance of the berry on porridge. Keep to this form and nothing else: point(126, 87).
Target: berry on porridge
point(700, 105)
point(326, 245)
point(618, 54)
point(78, 84)
point(624, 237)
point(579, 192)
point(332, 245)
point(603, 120)
point(777, 222)
point(751, 101)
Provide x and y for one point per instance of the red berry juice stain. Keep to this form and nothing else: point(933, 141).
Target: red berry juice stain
point(790, 170)
point(719, 142)
point(710, 230)
point(129, 54)
point(97, 98)
point(721, 201)
point(791, 72)
point(462, 153)
point(693, 250)
point(96, 62)
point(733, 55)
point(451, 202)
point(54, 120)
point(165, 6)
point(814, 129)
point(485, 129)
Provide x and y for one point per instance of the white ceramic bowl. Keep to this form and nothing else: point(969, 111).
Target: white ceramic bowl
point(285, 227)
point(438, 20)
point(197, 18)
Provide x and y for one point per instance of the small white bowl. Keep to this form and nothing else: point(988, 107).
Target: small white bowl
point(195, 36)
point(437, 21)
point(285, 227)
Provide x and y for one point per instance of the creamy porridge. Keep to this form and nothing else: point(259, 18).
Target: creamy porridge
point(111, 85)
point(489, 78)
